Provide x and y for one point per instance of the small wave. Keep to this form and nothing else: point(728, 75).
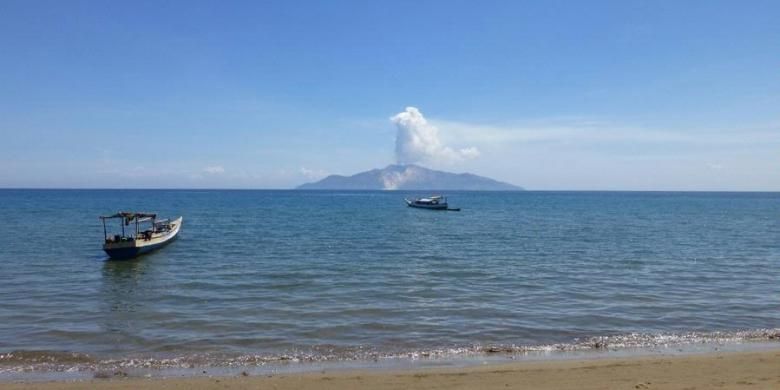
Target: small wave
point(644, 340)
point(56, 361)
point(44, 357)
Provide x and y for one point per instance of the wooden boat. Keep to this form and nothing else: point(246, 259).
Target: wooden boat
point(431, 203)
point(147, 234)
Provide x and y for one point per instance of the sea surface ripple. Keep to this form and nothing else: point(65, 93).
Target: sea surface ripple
point(260, 276)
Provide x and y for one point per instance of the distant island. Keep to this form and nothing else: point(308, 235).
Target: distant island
point(409, 177)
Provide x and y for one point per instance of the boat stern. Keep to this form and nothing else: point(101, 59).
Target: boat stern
point(121, 250)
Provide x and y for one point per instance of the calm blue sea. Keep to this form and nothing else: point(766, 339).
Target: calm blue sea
point(259, 276)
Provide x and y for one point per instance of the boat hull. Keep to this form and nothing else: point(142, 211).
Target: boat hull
point(131, 249)
point(438, 206)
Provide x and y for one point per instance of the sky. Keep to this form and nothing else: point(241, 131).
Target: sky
point(548, 95)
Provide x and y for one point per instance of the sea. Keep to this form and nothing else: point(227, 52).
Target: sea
point(272, 281)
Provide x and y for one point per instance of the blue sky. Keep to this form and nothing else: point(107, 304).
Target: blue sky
point(623, 95)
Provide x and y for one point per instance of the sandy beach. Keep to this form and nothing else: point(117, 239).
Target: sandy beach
point(736, 370)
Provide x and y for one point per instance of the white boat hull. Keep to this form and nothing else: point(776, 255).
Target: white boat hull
point(132, 248)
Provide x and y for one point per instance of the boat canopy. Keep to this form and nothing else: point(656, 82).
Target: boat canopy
point(129, 216)
point(430, 199)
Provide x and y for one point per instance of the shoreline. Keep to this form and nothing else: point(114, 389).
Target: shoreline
point(751, 369)
point(63, 366)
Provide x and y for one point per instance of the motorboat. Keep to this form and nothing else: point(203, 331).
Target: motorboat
point(432, 203)
point(141, 233)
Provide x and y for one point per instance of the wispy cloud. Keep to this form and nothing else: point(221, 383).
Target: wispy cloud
point(214, 170)
point(577, 153)
point(584, 132)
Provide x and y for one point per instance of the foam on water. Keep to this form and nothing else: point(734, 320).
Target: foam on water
point(40, 364)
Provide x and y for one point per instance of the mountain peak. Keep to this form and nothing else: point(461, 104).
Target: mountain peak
point(409, 177)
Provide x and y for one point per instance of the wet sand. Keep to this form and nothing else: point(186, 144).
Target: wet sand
point(733, 370)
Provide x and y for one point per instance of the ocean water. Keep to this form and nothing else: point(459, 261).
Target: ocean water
point(268, 276)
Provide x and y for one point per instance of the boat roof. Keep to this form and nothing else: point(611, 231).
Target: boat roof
point(129, 215)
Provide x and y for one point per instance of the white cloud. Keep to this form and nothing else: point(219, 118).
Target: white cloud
point(418, 141)
point(214, 170)
point(313, 174)
point(471, 152)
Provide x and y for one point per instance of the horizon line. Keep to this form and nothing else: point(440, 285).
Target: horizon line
point(361, 190)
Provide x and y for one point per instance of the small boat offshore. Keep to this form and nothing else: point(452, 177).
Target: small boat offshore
point(431, 203)
point(141, 233)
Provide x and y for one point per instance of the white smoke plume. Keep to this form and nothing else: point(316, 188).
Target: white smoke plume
point(418, 141)
point(395, 179)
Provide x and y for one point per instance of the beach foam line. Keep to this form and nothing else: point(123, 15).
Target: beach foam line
point(83, 365)
point(730, 370)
